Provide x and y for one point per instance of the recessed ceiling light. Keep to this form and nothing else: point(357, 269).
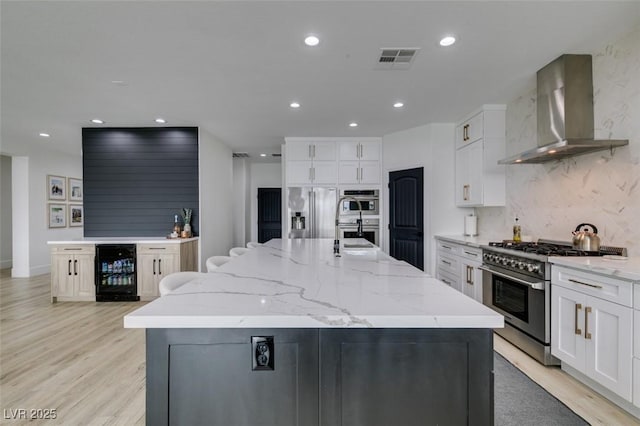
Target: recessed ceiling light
point(160, 120)
point(44, 135)
point(553, 151)
point(519, 160)
point(311, 40)
point(398, 105)
point(294, 105)
point(97, 121)
point(447, 41)
point(263, 155)
point(353, 124)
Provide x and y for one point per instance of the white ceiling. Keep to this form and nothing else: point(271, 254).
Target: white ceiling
point(232, 68)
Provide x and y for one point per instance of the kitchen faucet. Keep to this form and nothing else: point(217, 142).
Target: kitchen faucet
point(336, 241)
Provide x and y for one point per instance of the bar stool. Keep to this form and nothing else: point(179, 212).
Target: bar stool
point(172, 281)
point(215, 261)
point(253, 244)
point(238, 251)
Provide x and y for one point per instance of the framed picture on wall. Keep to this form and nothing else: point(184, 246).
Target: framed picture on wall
point(56, 187)
point(75, 189)
point(57, 215)
point(76, 215)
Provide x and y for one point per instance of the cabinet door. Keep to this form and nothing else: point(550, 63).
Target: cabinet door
point(349, 151)
point(62, 282)
point(370, 172)
point(462, 177)
point(475, 128)
point(475, 167)
point(370, 151)
point(471, 277)
point(299, 172)
point(84, 267)
point(324, 151)
point(167, 264)
point(147, 275)
point(325, 172)
point(567, 320)
point(636, 382)
point(349, 172)
point(609, 349)
point(299, 151)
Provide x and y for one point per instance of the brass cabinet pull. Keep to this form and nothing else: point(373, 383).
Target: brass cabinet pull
point(470, 274)
point(587, 310)
point(361, 174)
point(445, 262)
point(465, 132)
point(465, 192)
point(583, 283)
point(575, 325)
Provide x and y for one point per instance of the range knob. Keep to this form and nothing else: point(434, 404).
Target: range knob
point(531, 267)
point(513, 263)
point(521, 265)
point(505, 261)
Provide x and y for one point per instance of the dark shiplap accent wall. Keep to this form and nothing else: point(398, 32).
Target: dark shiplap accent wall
point(137, 179)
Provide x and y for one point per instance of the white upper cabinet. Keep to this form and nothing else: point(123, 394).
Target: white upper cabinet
point(344, 161)
point(359, 162)
point(310, 162)
point(480, 143)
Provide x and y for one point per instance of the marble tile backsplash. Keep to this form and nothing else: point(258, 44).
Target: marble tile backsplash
point(601, 188)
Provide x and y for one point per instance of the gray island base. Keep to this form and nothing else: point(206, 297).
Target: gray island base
point(328, 377)
point(287, 334)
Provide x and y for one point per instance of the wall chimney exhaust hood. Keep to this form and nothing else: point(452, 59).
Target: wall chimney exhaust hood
point(565, 113)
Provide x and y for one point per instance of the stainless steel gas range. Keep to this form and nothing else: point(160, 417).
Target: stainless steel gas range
point(517, 284)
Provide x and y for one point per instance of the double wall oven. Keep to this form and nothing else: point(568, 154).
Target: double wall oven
point(350, 214)
point(517, 283)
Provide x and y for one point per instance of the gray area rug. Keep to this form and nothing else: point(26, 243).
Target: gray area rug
point(521, 401)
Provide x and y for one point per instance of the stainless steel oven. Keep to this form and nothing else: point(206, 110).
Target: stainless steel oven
point(370, 229)
point(369, 200)
point(524, 301)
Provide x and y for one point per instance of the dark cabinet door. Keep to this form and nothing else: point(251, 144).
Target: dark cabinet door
point(269, 214)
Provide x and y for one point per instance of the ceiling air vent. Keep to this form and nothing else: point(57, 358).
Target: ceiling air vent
point(276, 155)
point(240, 155)
point(396, 59)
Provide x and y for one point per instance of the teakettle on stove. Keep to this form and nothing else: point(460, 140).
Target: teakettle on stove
point(586, 240)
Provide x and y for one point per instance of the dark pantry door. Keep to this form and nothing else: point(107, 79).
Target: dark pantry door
point(406, 218)
point(269, 214)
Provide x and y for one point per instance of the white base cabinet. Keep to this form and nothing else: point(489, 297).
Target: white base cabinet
point(593, 327)
point(458, 266)
point(73, 273)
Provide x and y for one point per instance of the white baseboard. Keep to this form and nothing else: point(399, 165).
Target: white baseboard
point(31, 272)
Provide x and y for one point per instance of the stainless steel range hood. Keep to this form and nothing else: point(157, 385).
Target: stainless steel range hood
point(565, 113)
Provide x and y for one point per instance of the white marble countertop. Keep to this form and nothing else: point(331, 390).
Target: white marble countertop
point(300, 284)
point(124, 240)
point(476, 241)
point(617, 267)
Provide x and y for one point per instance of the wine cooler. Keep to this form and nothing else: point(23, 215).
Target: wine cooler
point(116, 273)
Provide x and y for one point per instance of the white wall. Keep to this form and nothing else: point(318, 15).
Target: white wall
point(30, 229)
point(551, 199)
point(216, 197)
point(5, 212)
point(263, 175)
point(432, 147)
point(239, 201)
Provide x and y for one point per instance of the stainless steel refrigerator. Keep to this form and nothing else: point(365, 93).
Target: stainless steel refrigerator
point(311, 212)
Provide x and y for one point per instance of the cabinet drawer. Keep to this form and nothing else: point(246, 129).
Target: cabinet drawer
point(600, 286)
point(449, 264)
point(636, 296)
point(445, 247)
point(74, 249)
point(449, 279)
point(158, 248)
point(471, 253)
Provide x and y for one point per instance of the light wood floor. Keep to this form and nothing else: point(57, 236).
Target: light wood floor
point(77, 358)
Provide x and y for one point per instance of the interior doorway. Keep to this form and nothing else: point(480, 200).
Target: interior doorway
point(406, 216)
point(269, 214)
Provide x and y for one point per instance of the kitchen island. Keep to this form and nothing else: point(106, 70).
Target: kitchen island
point(287, 334)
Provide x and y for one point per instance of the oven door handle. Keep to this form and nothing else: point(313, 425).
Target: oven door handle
point(534, 285)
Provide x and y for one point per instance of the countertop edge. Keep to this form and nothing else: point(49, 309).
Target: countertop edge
point(132, 240)
point(624, 269)
point(469, 241)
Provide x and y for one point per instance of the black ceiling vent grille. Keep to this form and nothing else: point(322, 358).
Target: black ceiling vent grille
point(396, 59)
point(276, 155)
point(240, 155)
